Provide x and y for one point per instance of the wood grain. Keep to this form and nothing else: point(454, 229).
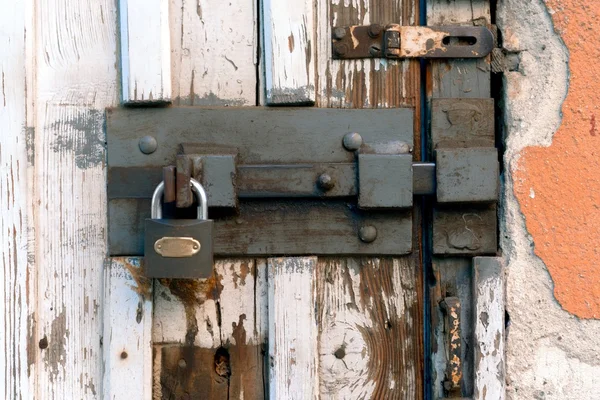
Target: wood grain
point(289, 52)
point(293, 329)
point(18, 300)
point(488, 295)
point(127, 335)
point(369, 314)
point(145, 51)
point(366, 83)
point(222, 318)
point(214, 52)
point(75, 79)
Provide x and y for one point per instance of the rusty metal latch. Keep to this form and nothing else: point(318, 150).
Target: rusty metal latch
point(395, 41)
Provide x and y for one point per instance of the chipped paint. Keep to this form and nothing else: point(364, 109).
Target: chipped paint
point(563, 217)
point(80, 131)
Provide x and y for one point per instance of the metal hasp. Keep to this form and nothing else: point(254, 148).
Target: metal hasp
point(396, 41)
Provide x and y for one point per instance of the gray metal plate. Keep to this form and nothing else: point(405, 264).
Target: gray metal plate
point(284, 227)
point(304, 142)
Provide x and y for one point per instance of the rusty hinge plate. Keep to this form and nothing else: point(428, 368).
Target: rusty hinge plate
point(396, 41)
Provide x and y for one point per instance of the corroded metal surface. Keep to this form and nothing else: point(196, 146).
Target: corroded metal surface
point(396, 41)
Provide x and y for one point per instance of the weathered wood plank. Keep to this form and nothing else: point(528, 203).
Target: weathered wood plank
point(75, 79)
point(145, 51)
point(222, 319)
point(455, 79)
point(288, 52)
point(369, 317)
point(127, 343)
point(214, 52)
point(17, 300)
point(488, 292)
point(370, 83)
point(293, 329)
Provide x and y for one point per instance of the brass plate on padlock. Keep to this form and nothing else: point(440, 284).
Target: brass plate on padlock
point(177, 247)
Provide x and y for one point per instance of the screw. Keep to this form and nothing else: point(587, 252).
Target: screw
point(367, 233)
point(124, 355)
point(339, 33)
point(375, 51)
point(375, 30)
point(352, 141)
point(340, 353)
point(182, 363)
point(326, 182)
point(148, 145)
point(340, 49)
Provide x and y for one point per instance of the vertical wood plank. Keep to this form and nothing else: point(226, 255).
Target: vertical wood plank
point(127, 335)
point(218, 327)
point(293, 330)
point(366, 83)
point(75, 80)
point(488, 291)
point(369, 319)
point(214, 52)
point(16, 300)
point(145, 51)
point(455, 79)
point(288, 52)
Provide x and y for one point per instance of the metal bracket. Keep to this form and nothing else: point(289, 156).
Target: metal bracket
point(396, 41)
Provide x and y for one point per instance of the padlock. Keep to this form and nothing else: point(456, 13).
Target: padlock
point(178, 248)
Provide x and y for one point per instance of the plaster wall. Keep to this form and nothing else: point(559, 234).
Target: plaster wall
point(550, 222)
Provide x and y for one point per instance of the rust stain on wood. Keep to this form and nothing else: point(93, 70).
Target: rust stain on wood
point(143, 285)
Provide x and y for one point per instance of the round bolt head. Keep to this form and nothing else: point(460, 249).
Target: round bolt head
point(367, 233)
point(339, 33)
point(148, 145)
point(326, 182)
point(375, 30)
point(352, 141)
point(340, 49)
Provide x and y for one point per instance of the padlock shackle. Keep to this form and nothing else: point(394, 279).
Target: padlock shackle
point(197, 189)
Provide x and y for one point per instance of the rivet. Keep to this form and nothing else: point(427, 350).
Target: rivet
point(375, 30)
point(124, 355)
point(340, 49)
point(352, 141)
point(182, 363)
point(148, 144)
point(326, 182)
point(339, 33)
point(367, 233)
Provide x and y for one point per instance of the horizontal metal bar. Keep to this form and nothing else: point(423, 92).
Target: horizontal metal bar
point(396, 41)
point(268, 181)
point(260, 228)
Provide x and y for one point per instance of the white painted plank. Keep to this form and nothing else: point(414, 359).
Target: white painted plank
point(145, 51)
point(488, 292)
point(214, 52)
point(293, 330)
point(76, 78)
point(127, 335)
point(228, 310)
point(289, 51)
point(16, 321)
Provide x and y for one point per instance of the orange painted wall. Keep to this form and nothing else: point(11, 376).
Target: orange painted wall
point(558, 187)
